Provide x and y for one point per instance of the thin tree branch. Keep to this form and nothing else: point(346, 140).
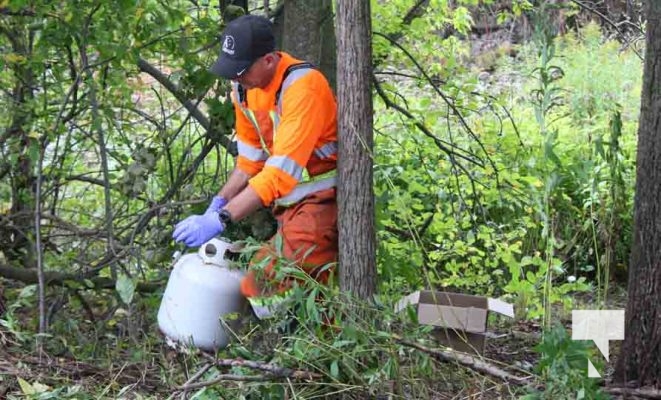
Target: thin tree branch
point(607, 20)
point(271, 369)
point(179, 95)
point(146, 67)
point(275, 372)
point(55, 278)
point(226, 377)
point(615, 26)
point(447, 101)
point(469, 361)
point(637, 392)
point(61, 118)
point(417, 11)
point(96, 122)
point(272, 372)
point(4, 170)
point(18, 13)
point(86, 179)
point(74, 87)
point(41, 284)
point(195, 377)
point(439, 143)
point(147, 216)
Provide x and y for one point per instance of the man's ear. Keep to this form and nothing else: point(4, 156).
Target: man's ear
point(271, 59)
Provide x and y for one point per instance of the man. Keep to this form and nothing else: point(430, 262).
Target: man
point(287, 141)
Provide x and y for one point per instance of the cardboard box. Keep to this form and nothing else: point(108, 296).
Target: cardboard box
point(460, 320)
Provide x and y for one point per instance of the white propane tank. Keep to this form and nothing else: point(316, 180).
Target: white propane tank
point(202, 288)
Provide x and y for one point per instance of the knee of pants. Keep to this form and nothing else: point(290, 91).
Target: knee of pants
point(264, 280)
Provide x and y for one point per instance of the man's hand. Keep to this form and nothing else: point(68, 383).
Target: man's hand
point(217, 204)
point(198, 229)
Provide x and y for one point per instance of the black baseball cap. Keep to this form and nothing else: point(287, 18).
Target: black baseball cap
point(243, 41)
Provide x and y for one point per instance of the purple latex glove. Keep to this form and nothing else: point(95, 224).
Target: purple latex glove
point(217, 203)
point(198, 229)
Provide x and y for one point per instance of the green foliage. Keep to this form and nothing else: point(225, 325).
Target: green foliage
point(152, 146)
point(11, 321)
point(563, 368)
point(356, 349)
point(517, 185)
point(536, 214)
point(125, 288)
point(592, 89)
point(39, 391)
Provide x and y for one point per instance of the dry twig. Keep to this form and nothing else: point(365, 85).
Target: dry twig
point(627, 392)
point(468, 361)
point(195, 377)
point(271, 369)
point(226, 377)
point(54, 371)
point(271, 372)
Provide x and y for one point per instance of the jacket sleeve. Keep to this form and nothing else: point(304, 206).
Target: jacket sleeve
point(307, 107)
point(251, 155)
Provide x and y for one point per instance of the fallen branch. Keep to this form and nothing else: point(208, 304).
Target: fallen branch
point(5, 341)
point(490, 369)
point(198, 374)
point(644, 393)
point(272, 372)
point(226, 377)
point(468, 361)
point(272, 369)
point(195, 377)
point(55, 278)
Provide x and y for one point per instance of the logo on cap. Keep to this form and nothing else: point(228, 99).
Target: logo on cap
point(228, 44)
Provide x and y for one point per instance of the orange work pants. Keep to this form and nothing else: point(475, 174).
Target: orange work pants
point(308, 230)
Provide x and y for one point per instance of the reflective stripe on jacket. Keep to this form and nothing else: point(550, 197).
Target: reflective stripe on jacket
point(287, 144)
point(266, 307)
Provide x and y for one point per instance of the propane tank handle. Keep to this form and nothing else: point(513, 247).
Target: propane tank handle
point(213, 252)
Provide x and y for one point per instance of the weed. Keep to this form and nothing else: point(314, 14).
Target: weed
point(563, 368)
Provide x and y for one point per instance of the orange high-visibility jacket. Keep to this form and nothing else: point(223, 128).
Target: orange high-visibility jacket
point(287, 141)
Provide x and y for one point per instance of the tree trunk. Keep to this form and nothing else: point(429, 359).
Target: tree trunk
point(308, 34)
point(640, 359)
point(355, 191)
point(25, 147)
point(230, 13)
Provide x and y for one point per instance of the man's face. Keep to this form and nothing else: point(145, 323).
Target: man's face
point(260, 73)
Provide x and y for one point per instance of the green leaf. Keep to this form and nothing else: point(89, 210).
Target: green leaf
point(278, 244)
point(26, 388)
point(28, 292)
point(41, 388)
point(125, 287)
point(335, 369)
point(530, 276)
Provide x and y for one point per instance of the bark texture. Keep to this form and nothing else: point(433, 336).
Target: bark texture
point(18, 239)
point(308, 34)
point(357, 269)
point(640, 359)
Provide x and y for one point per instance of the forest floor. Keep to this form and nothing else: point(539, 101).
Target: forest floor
point(158, 370)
